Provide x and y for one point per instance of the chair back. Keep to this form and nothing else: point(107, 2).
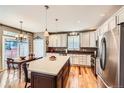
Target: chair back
point(24, 66)
point(10, 60)
point(31, 56)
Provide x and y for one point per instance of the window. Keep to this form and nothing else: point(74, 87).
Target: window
point(11, 48)
point(73, 43)
point(24, 48)
point(39, 47)
point(17, 48)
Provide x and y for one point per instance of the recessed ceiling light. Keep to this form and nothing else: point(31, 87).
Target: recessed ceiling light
point(102, 15)
point(78, 21)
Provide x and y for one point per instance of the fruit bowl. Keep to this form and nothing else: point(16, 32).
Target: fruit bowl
point(52, 58)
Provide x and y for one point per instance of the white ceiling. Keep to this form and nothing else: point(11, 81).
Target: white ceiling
point(71, 17)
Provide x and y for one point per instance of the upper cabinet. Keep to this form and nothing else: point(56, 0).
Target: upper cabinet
point(103, 28)
point(84, 39)
point(58, 40)
point(92, 39)
point(63, 40)
point(88, 39)
point(112, 23)
point(120, 16)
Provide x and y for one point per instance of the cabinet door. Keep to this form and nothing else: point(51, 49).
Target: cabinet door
point(58, 40)
point(112, 23)
point(84, 38)
point(73, 59)
point(120, 16)
point(70, 43)
point(88, 58)
point(104, 28)
point(50, 41)
point(84, 60)
point(63, 40)
point(97, 33)
point(54, 41)
point(80, 59)
point(92, 39)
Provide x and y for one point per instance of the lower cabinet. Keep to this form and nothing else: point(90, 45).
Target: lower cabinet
point(40, 80)
point(80, 59)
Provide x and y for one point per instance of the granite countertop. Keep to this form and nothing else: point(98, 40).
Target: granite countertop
point(45, 66)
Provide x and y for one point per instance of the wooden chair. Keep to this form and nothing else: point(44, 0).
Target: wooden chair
point(9, 63)
point(26, 75)
point(31, 56)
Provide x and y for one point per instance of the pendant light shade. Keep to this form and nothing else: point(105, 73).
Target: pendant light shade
point(46, 33)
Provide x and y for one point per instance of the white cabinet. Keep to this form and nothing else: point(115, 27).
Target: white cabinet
point(112, 23)
point(84, 61)
point(88, 59)
point(88, 39)
point(92, 39)
point(58, 40)
point(79, 59)
point(104, 28)
point(52, 41)
point(120, 16)
point(97, 33)
point(63, 40)
point(108, 25)
point(84, 39)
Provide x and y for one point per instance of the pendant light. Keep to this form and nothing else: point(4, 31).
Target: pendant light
point(46, 32)
point(56, 24)
point(21, 37)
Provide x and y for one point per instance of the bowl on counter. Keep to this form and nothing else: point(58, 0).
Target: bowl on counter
point(52, 58)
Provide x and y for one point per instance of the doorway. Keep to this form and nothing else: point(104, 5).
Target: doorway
point(11, 48)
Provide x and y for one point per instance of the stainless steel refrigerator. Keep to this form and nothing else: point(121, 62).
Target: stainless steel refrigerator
point(111, 54)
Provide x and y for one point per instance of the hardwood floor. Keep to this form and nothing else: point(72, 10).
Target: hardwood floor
point(81, 77)
point(78, 78)
point(10, 79)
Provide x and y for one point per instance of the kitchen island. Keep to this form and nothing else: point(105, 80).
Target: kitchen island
point(50, 74)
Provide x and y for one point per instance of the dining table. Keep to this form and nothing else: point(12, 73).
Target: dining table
point(19, 62)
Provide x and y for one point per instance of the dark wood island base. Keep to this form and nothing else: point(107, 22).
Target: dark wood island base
point(40, 80)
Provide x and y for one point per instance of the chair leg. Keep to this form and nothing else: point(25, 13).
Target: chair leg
point(25, 84)
point(13, 66)
point(8, 65)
